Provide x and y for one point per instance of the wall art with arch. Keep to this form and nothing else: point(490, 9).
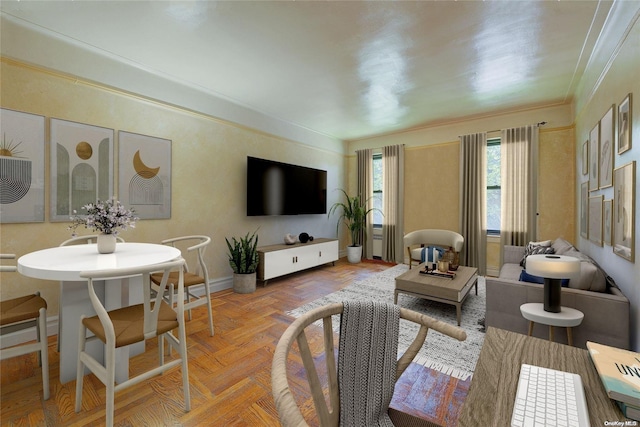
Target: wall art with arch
point(144, 184)
point(81, 167)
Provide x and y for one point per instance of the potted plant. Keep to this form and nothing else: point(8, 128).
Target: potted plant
point(107, 217)
point(354, 216)
point(243, 259)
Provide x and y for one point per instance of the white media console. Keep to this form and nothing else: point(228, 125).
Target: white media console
point(278, 260)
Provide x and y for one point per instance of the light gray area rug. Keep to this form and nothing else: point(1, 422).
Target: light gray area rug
point(439, 352)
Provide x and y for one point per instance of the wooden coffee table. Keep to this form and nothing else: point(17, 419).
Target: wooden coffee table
point(449, 291)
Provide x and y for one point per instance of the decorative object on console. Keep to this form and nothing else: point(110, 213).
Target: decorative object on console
point(243, 259)
point(553, 268)
point(624, 192)
point(303, 237)
point(354, 215)
point(289, 239)
point(107, 217)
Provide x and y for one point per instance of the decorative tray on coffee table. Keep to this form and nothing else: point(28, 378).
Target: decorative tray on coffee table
point(438, 273)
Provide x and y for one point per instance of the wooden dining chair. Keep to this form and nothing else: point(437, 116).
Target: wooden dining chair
point(132, 324)
point(21, 313)
point(198, 275)
point(327, 403)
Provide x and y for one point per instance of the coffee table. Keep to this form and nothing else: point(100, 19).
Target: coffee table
point(449, 291)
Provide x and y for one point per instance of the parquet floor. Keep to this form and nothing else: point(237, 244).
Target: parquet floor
point(229, 373)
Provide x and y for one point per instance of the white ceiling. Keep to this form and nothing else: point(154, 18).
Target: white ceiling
point(345, 69)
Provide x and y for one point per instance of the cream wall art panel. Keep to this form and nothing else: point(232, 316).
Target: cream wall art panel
point(145, 174)
point(624, 201)
point(81, 167)
point(21, 167)
point(607, 147)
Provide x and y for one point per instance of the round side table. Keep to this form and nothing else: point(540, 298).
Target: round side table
point(567, 318)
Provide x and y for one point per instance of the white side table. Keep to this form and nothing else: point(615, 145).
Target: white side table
point(567, 318)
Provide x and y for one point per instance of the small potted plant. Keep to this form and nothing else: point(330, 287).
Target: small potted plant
point(354, 215)
point(243, 259)
point(107, 217)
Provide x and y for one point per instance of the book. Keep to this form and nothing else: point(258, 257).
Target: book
point(619, 371)
point(629, 411)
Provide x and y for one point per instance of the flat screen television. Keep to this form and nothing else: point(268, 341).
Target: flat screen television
point(275, 188)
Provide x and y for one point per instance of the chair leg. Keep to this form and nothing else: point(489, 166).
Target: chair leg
point(185, 369)
point(44, 351)
point(161, 349)
point(82, 340)
point(110, 359)
point(208, 296)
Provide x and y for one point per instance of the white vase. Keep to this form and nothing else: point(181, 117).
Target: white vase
point(354, 254)
point(106, 243)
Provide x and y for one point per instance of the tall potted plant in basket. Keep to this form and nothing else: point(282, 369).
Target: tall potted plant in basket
point(243, 259)
point(354, 216)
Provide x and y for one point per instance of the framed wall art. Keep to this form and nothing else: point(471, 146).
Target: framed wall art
point(607, 218)
point(145, 174)
point(594, 157)
point(81, 166)
point(584, 209)
point(624, 191)
point(585, 157)
point(624, 125)
point(607, 145)
point(22, 177)
point(595, 219)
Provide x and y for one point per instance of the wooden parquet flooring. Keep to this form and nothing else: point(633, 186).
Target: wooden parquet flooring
point(229, 373)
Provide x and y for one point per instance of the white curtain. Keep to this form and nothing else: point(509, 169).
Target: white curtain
point(519, 171)
point(473, 200)
point(365, 192)
point(393, 202)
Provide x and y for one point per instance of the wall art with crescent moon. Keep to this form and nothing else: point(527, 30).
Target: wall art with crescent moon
point(144, 182)
point(21, 167)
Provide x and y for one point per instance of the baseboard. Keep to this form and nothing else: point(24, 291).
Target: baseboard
point(26, 335)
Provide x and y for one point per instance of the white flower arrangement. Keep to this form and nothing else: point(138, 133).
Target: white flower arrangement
point(105, 216)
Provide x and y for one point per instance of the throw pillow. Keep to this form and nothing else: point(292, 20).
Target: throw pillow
point(534, 249)
point(561, 246)
point(526, 277)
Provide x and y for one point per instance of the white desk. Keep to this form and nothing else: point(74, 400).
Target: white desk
point(65, 264)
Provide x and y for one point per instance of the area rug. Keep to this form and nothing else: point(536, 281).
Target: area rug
point(440, 352)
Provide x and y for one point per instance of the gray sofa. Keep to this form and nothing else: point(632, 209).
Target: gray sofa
point(605, 308)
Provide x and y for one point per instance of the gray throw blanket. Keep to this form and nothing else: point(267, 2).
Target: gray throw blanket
point(367, 361)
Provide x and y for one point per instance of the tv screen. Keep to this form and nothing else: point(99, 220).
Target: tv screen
point(275, 188)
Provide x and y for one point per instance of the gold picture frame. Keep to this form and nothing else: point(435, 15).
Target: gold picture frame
point(595, 219)
point(607, 147)
point(584, 210)
point(624, 125)
point(624, 201)
point(585, 157)
point(607, 218)
point(594, 157)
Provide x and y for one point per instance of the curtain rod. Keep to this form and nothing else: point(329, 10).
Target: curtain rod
point(499, 130)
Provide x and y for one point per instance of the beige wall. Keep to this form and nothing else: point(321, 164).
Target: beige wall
point(208, 171)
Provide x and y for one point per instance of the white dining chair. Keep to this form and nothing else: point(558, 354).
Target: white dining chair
point(22, 313)
point(77, 240)
point(132, 324)
point(199, 275)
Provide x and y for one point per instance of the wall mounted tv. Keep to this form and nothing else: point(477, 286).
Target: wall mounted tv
point(275, 188)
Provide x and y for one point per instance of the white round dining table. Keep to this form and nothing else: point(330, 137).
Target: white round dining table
point(64, 264)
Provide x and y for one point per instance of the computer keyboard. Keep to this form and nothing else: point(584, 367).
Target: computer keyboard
point(547, 397)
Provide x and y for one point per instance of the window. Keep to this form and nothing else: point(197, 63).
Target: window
point(493, 186)
point(377, 190)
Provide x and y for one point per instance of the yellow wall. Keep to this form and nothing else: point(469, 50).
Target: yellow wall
point(208, 171)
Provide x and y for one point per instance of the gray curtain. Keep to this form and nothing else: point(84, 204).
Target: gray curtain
point(473, 201)
point(365, 192)
point(393, 202)
point(519, 171)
